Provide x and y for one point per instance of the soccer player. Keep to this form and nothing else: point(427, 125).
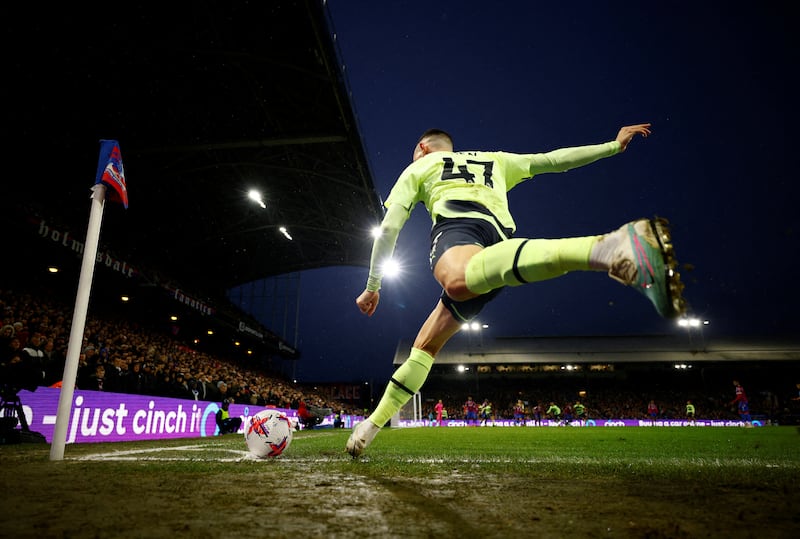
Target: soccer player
point(470, 409)
point(567, 414)
point(554, 412)
point(474, 256)
point(485, 412)
point(652, 411)
point(580, 412)
point(690, 412)
point(439, 409)
point(537, 414)
point(742, 404)
point(519, 413)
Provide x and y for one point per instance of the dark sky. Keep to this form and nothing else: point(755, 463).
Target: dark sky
point(535, 76)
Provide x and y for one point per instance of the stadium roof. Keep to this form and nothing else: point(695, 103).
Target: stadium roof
point(207, 100)
point(608, 349)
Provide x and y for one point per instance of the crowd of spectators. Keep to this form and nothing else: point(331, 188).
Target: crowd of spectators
point(127, 357)
point(124, 356)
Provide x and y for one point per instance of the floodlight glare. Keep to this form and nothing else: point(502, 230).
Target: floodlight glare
point(376, 232)
point(256, 197)
point(285, 232)
point(691, 322)
point(473, 326)
point(391, 268)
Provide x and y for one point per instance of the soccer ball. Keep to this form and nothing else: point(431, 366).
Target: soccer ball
point(268, 433)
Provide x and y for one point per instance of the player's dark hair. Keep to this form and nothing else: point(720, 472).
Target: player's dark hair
point(436, 133)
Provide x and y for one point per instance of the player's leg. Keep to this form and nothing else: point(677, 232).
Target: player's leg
point(408, 378)
point(452, 247)
point(744, 411)
point(638, 254)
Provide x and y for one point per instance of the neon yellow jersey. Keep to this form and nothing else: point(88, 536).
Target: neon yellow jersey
point(482, 177)
point(555, 410)
point(440, 178)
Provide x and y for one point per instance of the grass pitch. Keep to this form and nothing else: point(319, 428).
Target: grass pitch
point(420, 482)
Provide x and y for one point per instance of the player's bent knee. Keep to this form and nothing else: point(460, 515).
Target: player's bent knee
point(466, 310)
point(458, 291)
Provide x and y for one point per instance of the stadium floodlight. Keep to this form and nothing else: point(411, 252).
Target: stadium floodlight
point(691, 322)
point(285, 232)
point(473, 326)
point(256, 197)
point(376, 232)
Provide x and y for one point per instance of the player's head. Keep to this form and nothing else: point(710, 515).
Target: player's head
point(433, 140)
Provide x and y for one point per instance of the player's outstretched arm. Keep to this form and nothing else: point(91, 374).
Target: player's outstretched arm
point(627, 133)
point(368, 301)
point(565, 159)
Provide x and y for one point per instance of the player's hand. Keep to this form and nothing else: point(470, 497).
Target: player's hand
point(368, 301)
point(627, 133)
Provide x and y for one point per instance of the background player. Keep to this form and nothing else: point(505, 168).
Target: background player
point(742, 404)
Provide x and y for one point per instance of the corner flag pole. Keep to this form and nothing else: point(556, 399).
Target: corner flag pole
point(78, 324)
point(110, 173)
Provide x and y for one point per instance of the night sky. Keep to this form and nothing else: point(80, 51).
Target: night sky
point(531, 77)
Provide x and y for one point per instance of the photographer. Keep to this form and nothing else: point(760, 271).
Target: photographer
point(226, 423)
point(20, 370)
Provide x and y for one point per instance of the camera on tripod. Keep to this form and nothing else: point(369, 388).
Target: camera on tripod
point(13, 378)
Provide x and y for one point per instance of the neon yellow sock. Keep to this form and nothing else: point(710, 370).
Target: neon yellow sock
point(407, 380)
point(519, 261)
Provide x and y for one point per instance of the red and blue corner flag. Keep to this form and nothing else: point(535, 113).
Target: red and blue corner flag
point(110, 171)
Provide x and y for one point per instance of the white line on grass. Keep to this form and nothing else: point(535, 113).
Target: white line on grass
point(157, 453)
point(203, 453)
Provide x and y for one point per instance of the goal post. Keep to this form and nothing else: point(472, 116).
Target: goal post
point(410, 411)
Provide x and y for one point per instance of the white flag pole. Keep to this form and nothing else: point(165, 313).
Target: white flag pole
point(78, 323)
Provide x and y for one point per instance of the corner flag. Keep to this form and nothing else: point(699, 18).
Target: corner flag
point(111, 173)
point(110, 178)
